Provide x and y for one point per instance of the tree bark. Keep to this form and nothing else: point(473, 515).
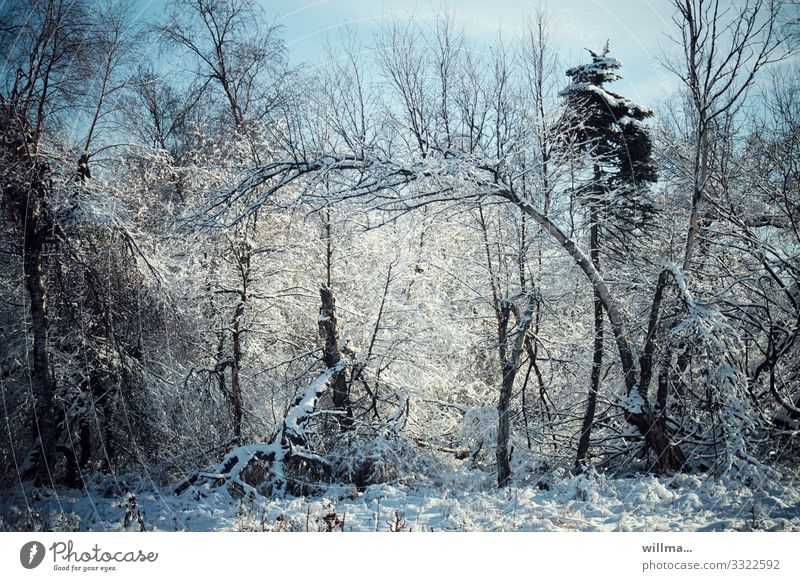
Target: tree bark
point(243, 254)
point(510, 365)
point(331, 354)
point(506, 387)
point(700, 172)
point(597, 352)
point(503, 428)
point(236, 385)
point(44, 425)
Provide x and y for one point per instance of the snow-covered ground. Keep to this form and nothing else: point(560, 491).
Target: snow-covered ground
point(582, 503)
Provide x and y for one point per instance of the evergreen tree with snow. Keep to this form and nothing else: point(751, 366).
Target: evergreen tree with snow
point(610, 130)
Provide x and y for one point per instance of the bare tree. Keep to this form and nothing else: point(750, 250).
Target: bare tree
point(42, 43)
point(114, 40)
point(243, 63)
point(723, 48)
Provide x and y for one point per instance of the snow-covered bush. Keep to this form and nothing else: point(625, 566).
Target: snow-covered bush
point(366, 457)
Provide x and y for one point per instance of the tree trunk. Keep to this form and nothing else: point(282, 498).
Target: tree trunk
point(700, 171)
point(503, 428)
point(244, 257)
point(44, 425)
point(25, 186)
point(597, 357)
point(236, 386)
point(510, 366)
point(331, 354)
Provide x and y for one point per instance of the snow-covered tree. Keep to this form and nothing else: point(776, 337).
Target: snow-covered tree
point(610, 130)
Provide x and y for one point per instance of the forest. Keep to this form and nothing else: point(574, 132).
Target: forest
point(428, 283)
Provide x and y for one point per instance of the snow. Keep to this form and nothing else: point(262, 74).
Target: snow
point(588, 502)
point(633, 403)
point(607, 97)
point(613, 102)
point(625, 121)
point(306, 402)
point(603, 66)
point(237, 460)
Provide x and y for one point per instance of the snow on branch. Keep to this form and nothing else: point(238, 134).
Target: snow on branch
point(288, 443)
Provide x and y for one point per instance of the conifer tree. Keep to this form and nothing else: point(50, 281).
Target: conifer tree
point(610, 130)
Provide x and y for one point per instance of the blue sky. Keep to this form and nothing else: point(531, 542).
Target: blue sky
point(637, 30)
